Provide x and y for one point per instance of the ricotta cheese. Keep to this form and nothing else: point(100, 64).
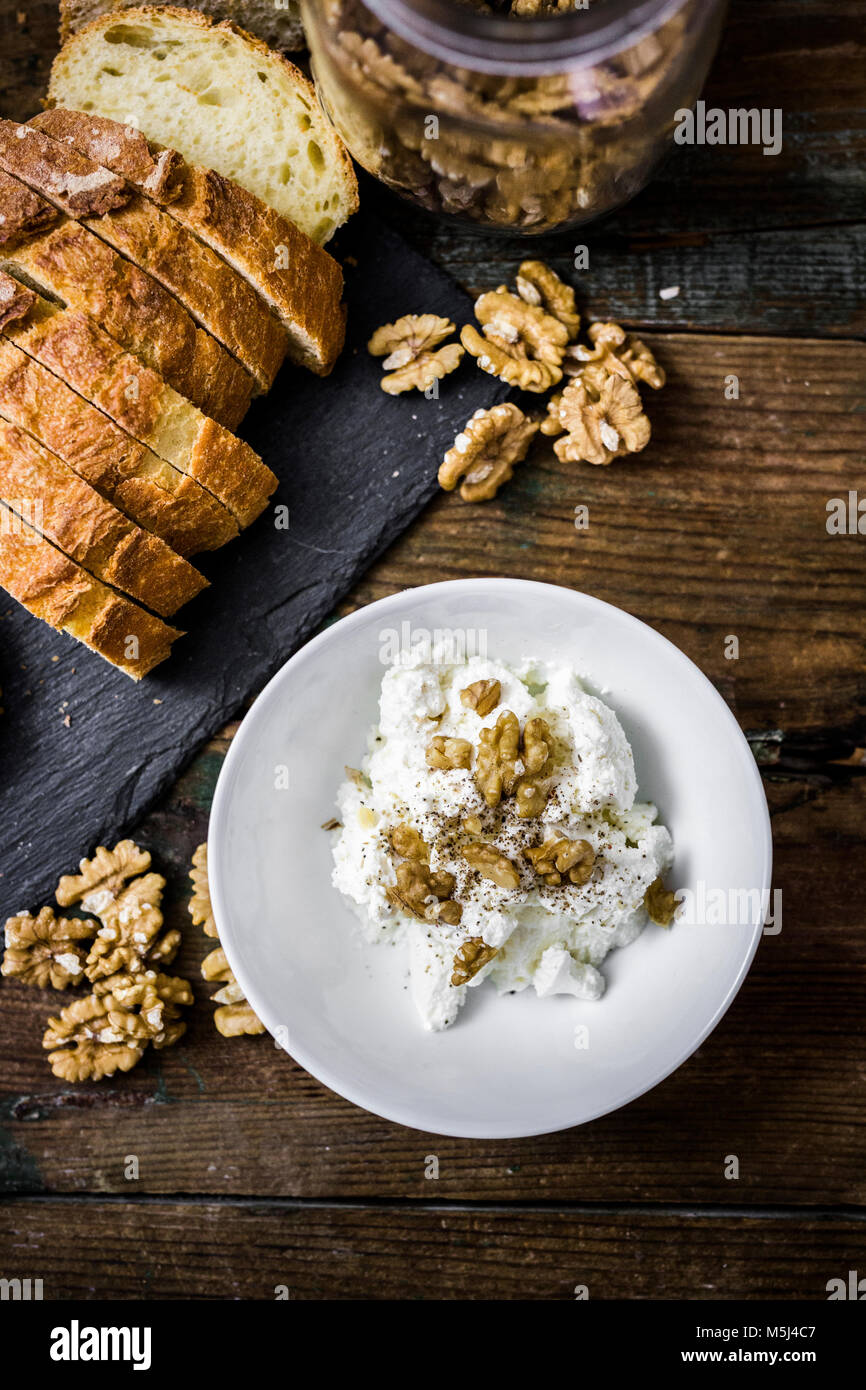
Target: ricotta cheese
point(552, 936)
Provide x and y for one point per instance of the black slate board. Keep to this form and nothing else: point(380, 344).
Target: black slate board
point(355, 466)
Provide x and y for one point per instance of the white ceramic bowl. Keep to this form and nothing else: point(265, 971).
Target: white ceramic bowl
point(509, 1067)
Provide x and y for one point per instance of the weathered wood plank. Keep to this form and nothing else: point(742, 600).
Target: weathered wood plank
point(758, 244)
point(778, 1084)
point(249, 1251)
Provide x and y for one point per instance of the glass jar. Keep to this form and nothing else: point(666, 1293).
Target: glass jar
point(524, 123)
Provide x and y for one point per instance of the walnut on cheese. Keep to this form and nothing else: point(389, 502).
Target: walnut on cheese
point(485, 452)
point(46, 950)
point(520, 343)
point(472, 956)
point(234, 1017)
point(507, 765)
point(660, 903)
point(572, 859)
point(407, 346)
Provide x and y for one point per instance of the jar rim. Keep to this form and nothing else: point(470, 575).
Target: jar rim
point(498, 43)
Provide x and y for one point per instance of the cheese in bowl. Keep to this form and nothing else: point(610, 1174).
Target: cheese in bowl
point(492, 831)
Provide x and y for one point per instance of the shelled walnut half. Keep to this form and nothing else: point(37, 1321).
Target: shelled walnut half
point(413, 357)
point(46, 950)
point(519, 342)
point(485, 452)
point(601, 425)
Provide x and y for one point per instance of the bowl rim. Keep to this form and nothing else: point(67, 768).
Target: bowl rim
point(219, 815)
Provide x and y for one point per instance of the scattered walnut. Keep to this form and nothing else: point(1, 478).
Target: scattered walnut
point(496, 762)
point(485, 452)
point(602, 425)
point(424, 370)
point(614, 353)
point(660, 903)
point(472, 825)
point(200, 909)
point(444, 753)
point(573, 858)
point(551, 423)
point(472, 956)
point(406, 842)
point(102, 876)
point(538, 284)
point(235, 1017)
point(425, 893)
point(109, 1029)
point(130, 923)
point(44, 950)
point(489, 863)
point(403, 341)
point(407, 347)
point(520, 343)
point(165, 948)
point(482, 696)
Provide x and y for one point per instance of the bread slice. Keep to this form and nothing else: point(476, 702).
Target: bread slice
point(75, 348)
point(151, 492)
point(221, 98)
point(61, 593)
point(68, 263)
point(298, 279)
point(276, 22)
point(72, 515)
point(216, 297)
point(73, 181)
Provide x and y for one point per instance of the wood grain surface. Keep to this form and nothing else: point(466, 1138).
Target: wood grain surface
point(251, 1174)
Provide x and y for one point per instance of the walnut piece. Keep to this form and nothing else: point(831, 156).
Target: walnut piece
point(472, 956)
point(602, 425)
point(660, 903)
point(538, 284)
point(405, 339)
point(425, 893)
point(482, 696)
point(520, 343)
point(407, 347)
point(234, 1018)
point(45, 950)
point(485, 452)
point(200, 909)
point(487, 861)
point(506, 764)
point(101, 877)
point(445, 753)
point(406, 842)
point(108, 1030)
point(614, 353)
point(496, 761)
point(551, 423)
point(130, 924)
point(574, 859)
point(420, 374)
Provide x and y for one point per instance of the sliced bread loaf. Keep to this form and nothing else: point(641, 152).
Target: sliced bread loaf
point(276, 22)
point(221, 98)
point(70, 264)
point(151, 492)
point(216, 297)
point(74, 347)
point(57, 590)
point(72, 515)
point(298, 279)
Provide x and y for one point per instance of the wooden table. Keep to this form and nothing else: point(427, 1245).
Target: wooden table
point(251, 1174)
